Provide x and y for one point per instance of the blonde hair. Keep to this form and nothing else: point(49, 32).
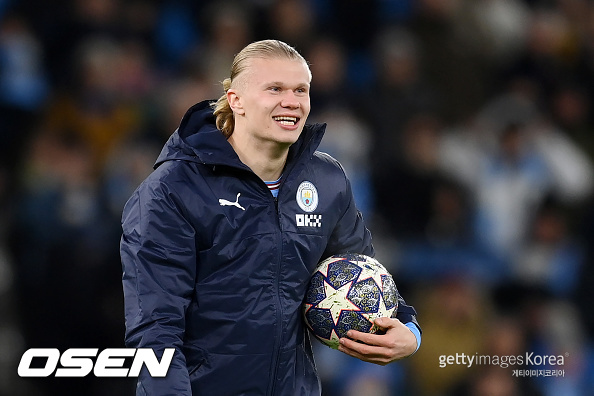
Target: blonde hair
point(259, 49)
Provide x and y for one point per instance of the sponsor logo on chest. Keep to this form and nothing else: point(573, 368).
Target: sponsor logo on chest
point(307, 199)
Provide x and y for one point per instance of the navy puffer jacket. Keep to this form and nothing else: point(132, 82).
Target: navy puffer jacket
point(216, 267)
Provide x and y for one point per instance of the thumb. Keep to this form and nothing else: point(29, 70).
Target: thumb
point(385, 323)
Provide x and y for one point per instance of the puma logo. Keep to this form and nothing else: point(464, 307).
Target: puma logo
point(224, 202)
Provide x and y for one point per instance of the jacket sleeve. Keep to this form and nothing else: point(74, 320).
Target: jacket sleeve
point(159, 267)
point(351, 235)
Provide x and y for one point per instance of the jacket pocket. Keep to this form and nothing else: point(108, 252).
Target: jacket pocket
point(196, 358)
point(232, 375)
point(195, 368)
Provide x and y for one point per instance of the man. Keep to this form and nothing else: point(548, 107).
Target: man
point(214, 261)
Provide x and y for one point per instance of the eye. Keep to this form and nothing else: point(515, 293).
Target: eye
point(302, 90)
point(274, 89)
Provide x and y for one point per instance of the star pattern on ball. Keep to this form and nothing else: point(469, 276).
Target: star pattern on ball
point(385, 309)
point(335, 298)
point(369, 272)
point(382, 308)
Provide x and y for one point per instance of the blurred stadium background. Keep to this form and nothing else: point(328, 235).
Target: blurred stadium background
point(466, 127)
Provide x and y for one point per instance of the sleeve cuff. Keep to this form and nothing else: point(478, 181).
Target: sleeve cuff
point(416, 332)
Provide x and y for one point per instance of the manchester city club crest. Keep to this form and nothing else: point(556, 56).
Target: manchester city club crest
point(307, 196)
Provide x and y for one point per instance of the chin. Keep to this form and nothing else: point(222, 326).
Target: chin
point(287, 137)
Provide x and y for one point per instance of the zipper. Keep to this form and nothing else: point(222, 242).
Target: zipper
point(276, 351)
point(279, 311)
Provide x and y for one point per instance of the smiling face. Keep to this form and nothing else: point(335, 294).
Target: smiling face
point(270, 101)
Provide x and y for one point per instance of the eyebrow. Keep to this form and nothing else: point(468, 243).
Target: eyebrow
point(280, 83)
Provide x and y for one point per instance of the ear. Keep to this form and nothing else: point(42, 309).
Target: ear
point(235, 101)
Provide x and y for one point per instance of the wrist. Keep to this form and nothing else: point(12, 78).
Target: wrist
point(415, 330)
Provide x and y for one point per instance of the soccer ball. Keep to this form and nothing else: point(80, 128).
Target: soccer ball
point(348, 291)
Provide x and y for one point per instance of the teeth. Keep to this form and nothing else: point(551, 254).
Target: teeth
point(286, 120)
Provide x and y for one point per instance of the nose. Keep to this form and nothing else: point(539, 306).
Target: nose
point(290, 100)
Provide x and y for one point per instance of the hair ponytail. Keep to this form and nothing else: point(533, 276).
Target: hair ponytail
point(223, 113)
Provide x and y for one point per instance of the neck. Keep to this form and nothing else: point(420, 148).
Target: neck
point(266, 159)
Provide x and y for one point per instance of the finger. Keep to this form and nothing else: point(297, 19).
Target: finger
point(366, 338)
point(364, 352)
point(385, 323)
point(359, 347)
point(357, 350)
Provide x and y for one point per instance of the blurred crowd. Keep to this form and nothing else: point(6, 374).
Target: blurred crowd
point(466, 127)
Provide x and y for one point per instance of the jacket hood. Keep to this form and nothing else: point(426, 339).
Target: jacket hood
point(197, 139)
